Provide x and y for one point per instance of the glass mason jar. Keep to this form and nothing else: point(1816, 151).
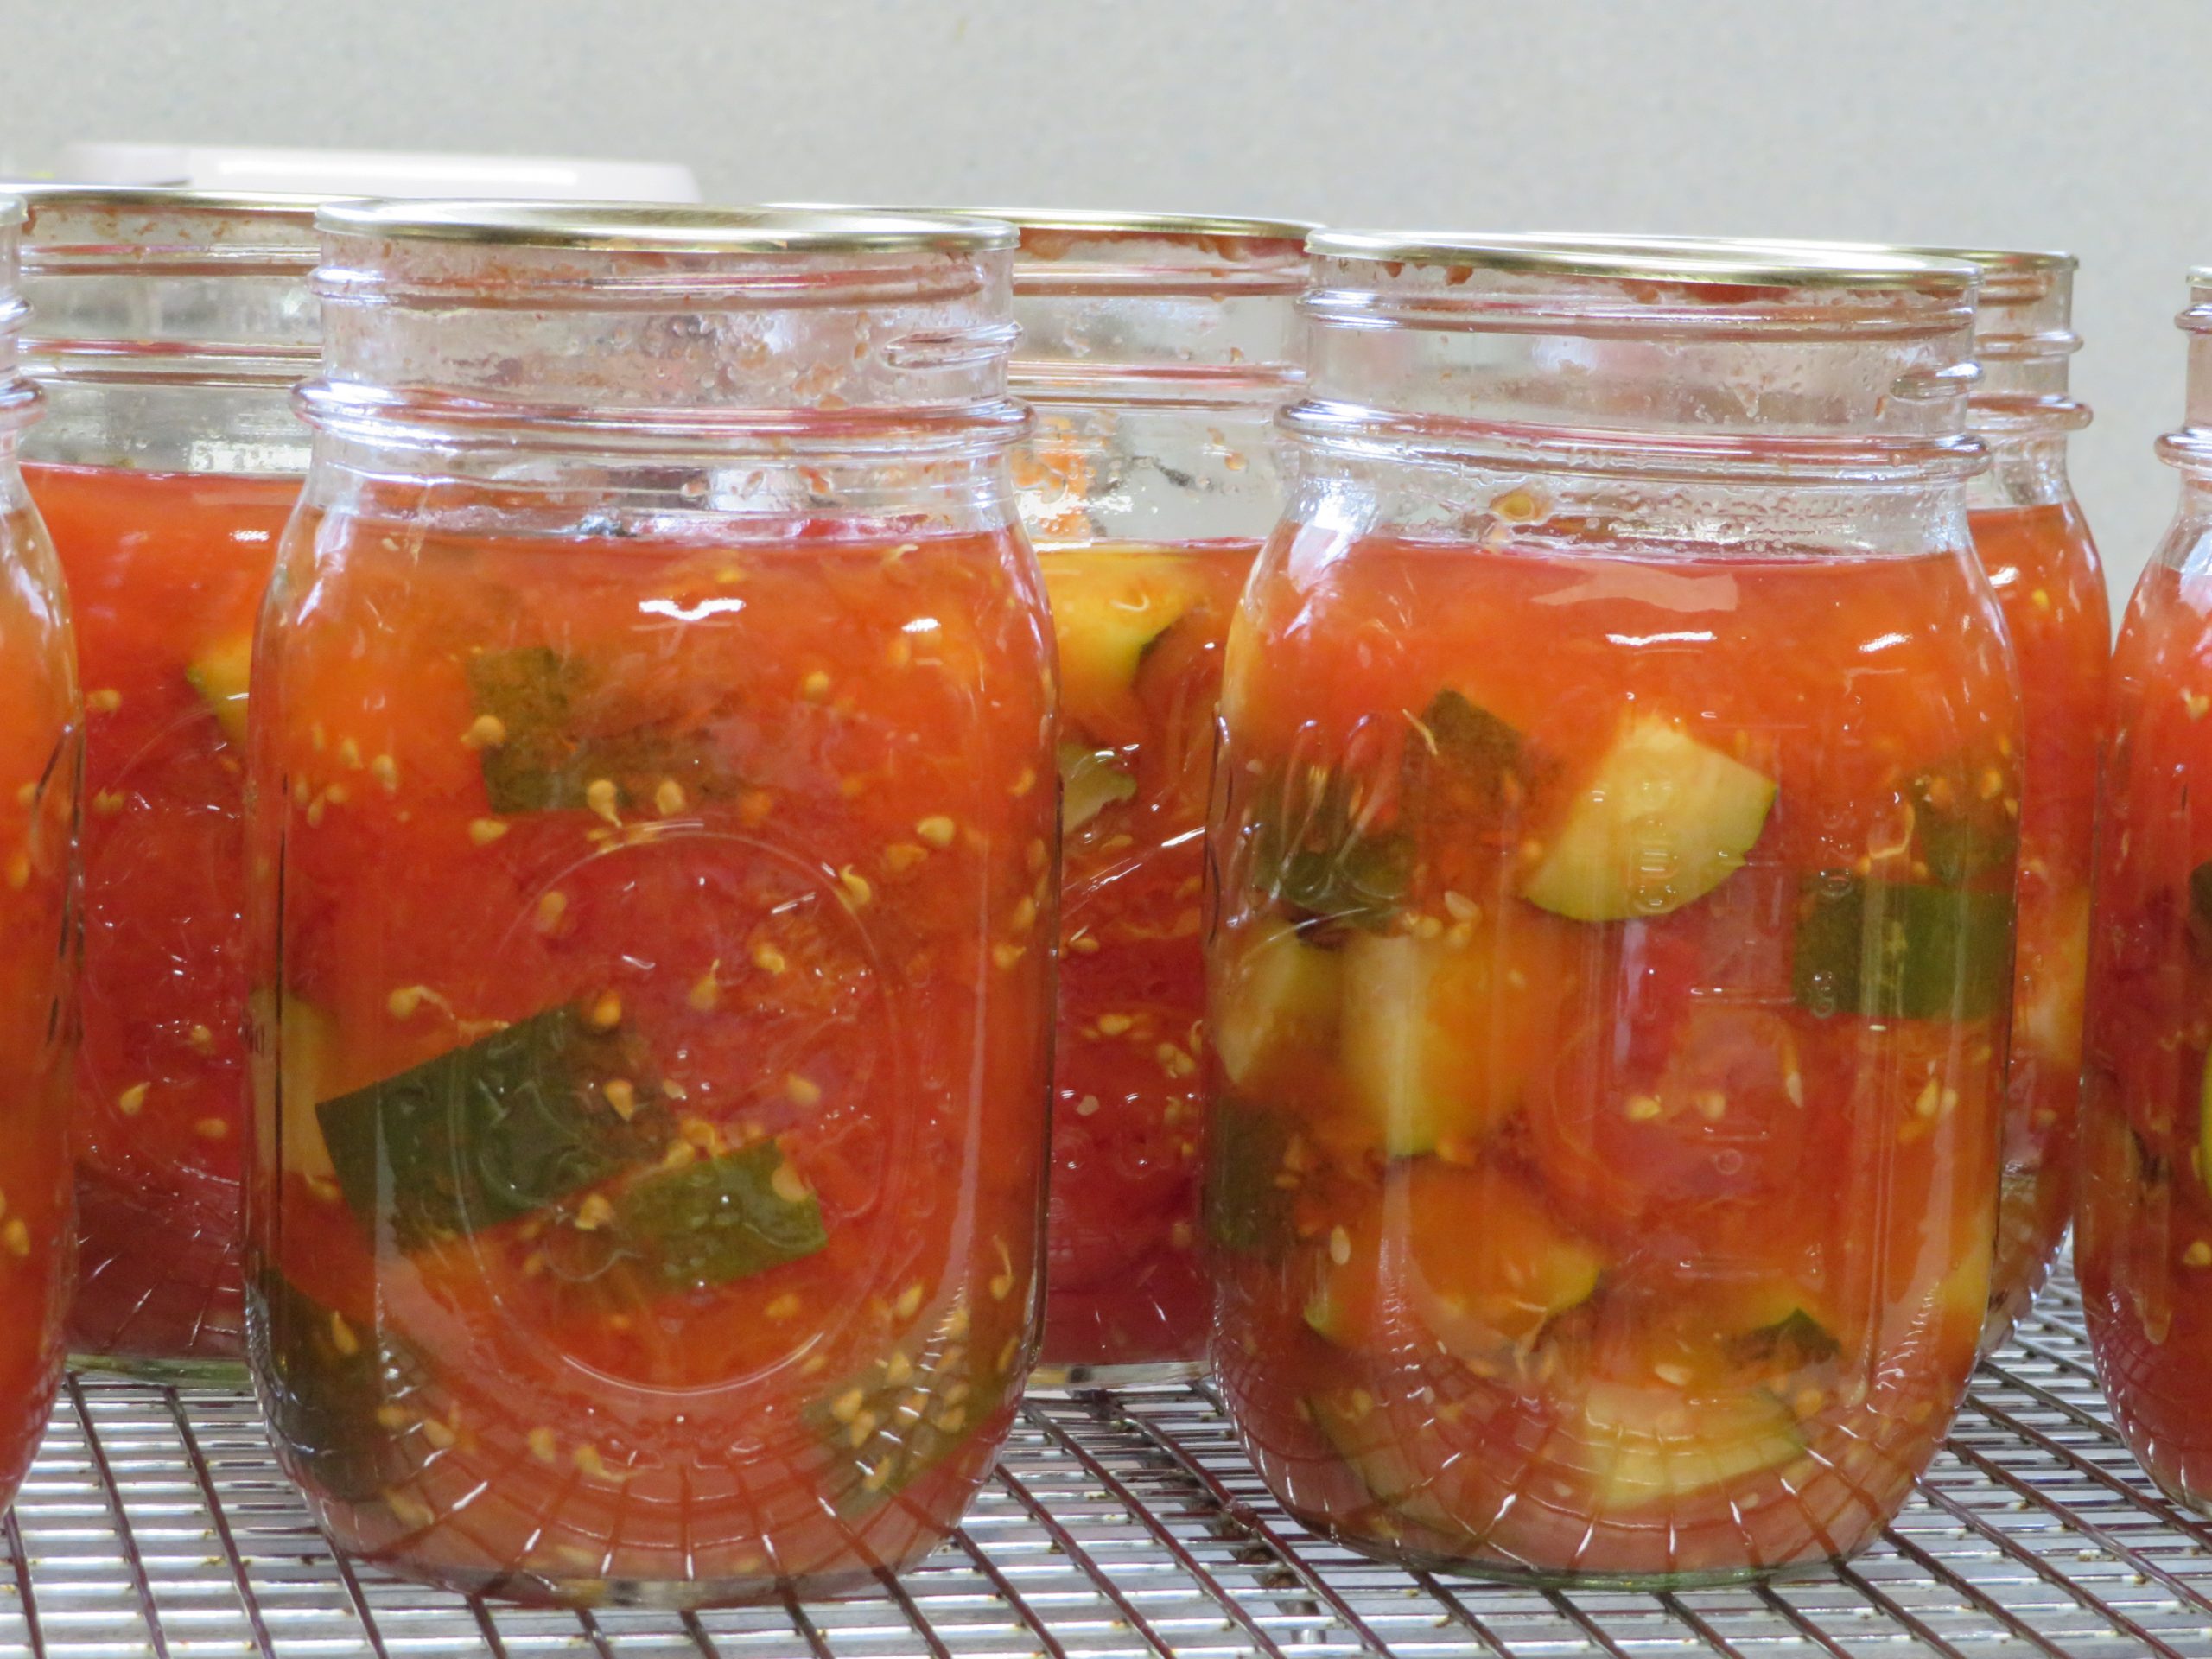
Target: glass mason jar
point(42, 761)
point(2143, 1223)
point(1613, 881)
point(168, 331)
point(1155, 352)
point(2036, 548)
point(651, 817)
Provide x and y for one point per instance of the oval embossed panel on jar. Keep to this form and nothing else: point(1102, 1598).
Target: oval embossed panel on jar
point(742, 987)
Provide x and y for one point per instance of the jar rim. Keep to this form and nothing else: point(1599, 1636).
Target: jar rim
point(273, 204)
point(1715, 261)
point(288, 215)
point(2011, 278)
point(77, 230)
point(630, 227)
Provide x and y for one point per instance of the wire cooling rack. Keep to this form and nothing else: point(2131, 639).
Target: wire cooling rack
point(155, 1522)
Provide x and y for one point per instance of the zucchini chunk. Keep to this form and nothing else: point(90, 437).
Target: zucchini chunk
point(1440, 1038)
point(1960, 833)
point(327, 1382)
point(1663, 820)
point(1651, 1445)
point(489, 1131)
point(1106, 620)
point(1901, 950)
point(1373, 1441)
point(1459, 762)
point(892, 1422)
point(219, 673)
point(1090, 781)
point(719, 1219)
point(1245, 1209)
point(1276, 1002)
point(2200, 905)
point(303, 1042)
point(2203, 1123)
point(1474, 1257)
point(1310, 857)
point(561, 733)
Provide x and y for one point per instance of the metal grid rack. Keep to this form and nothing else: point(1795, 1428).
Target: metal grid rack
point(155, 1522)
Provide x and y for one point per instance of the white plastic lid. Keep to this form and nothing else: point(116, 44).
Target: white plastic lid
point(375, 173)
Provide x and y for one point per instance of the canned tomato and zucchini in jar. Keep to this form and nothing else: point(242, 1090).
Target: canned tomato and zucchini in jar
point(653, 1023)
point(1615, 830)
point(2035, 546)
point(2142, 1234)
point(1155, 351)
point(42, 759)
point(168, 330)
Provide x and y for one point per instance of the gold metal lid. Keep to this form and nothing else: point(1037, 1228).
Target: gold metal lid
point(1109, 223)
point(1104, 222)
point(2002, 261)
point(1713, 261)
point(1988, 261)
point(2009, 276)
point(628, 228)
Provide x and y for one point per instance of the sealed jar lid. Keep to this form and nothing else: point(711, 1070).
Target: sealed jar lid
point(1722, 352)
point(127, 284)
point(624, 227)
point(376, 172)
point(1072, 247)
point(1700, 262)
point(644, 324)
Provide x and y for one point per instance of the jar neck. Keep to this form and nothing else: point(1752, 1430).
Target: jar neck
point(2189, 448)
point(2024, 342)
point(565, 348)
point(167, 327)
point(1151, 471)
point(772, 495)
point(1630, 377)
point(21, 403)
point(1100, 304)
point(173, 422)
point(2027, 469)
point(1496, 502)
point(2186, 546)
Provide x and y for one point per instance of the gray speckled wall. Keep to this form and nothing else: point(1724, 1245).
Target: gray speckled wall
point(2036, 123)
